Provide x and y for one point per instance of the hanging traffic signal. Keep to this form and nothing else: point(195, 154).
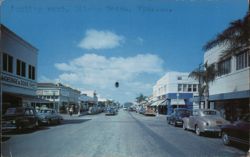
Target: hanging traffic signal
point(116, 84)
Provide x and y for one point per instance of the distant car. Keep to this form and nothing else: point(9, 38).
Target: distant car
point(149, 112)
point(131, 109)
point(142, 110)
point(238, 131)
point(204, 120)
point(19, 118)
point(176, 117)
point(111, 111)
point(49, 116)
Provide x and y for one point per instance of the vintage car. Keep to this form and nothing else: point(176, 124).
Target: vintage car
point(19, 118)
point(204, 120)
point(176, 117)
point(149, 112)
point(111, 111)
point(239, 131)
point(49, 116)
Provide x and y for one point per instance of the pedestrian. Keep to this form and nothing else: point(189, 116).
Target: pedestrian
point(71, 111)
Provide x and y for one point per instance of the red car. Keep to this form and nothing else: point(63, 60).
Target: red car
point(238, 131)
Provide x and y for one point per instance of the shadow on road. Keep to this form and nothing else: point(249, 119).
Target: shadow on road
point(74, 121)
point(163, 144)
point(7, 135)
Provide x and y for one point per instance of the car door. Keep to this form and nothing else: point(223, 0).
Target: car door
point(53, 115)
point(27, 121)
point(192, 120)
point(241, 129)
point(32, 117)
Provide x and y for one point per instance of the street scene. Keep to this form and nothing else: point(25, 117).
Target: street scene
point(127, 134)
point(141, 78)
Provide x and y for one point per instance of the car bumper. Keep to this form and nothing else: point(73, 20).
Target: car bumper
point(179, 122)
point(8, 126)
point(212, 129)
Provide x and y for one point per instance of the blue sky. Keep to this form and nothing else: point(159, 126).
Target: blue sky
point(90, 44)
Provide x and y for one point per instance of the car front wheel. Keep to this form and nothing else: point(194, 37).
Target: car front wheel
point(225, 138)
point(197, 131)
point(184, 127)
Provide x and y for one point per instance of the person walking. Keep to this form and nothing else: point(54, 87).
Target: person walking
point(70, 111)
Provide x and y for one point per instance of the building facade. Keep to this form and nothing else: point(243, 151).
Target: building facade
point(60, 96)
point(230, 92)
point(174, 90)
point(18, 70)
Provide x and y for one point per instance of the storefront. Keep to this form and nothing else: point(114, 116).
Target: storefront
point(18, 70)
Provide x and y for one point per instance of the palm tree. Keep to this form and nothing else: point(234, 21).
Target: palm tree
point(234, 39)
point(140, 98)
point(207, 76)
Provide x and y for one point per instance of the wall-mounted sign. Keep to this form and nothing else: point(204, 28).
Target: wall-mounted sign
point(16, 81)
point(50, 92)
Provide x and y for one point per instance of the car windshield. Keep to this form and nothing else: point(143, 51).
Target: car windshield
point(210, 113)
point(183, 112)
point(121, 78)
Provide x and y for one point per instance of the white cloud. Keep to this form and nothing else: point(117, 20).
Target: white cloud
point(95, 39)
point(97, 72)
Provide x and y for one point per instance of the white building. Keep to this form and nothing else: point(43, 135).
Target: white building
point(59, 95)
point(230, 92)
point(18, 70)
point(178, 88)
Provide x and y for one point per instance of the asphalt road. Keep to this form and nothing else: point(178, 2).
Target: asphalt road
point(124, 135)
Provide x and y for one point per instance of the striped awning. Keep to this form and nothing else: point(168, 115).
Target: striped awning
point(159, 102)
point(177, 102)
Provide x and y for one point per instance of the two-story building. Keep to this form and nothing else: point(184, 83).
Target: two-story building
point(175, 90)
point(230, 92)
point(59, 96)
point(18, 70)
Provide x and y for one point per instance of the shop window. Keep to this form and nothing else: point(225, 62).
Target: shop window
point(224, 67)
point(185, 87)
point(179, 87)
point(23, 69)
point(179, 78)
point(190, 88)
point(194, 88)
point(32, 72)
point(7, 63)
point(242, 60)
point(20, 68)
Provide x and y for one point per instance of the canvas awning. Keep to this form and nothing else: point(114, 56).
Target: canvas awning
point(178, 102)
point(157, 103)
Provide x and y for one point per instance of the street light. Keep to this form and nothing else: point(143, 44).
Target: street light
point(177, 95)
point(53, 99)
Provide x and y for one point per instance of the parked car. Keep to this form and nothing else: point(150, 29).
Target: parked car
point(176, 117)
point(111, 111)
point(142, 110)
point(49, 116)
point(204, 120)
point(19, 118)
point(238, 131)
point(149, 112)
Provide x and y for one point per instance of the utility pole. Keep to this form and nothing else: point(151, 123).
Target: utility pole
point(199, 86)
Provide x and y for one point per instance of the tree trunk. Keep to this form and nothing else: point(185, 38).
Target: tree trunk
point(206, 97)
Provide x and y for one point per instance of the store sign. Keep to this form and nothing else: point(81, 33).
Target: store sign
point(16, 81)
point(50, 92)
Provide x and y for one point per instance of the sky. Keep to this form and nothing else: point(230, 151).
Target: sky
point(91, 44)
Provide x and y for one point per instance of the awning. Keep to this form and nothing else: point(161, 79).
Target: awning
point(157, 103)
point(177, 102)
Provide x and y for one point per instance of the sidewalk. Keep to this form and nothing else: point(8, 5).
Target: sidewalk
point(67, 116)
